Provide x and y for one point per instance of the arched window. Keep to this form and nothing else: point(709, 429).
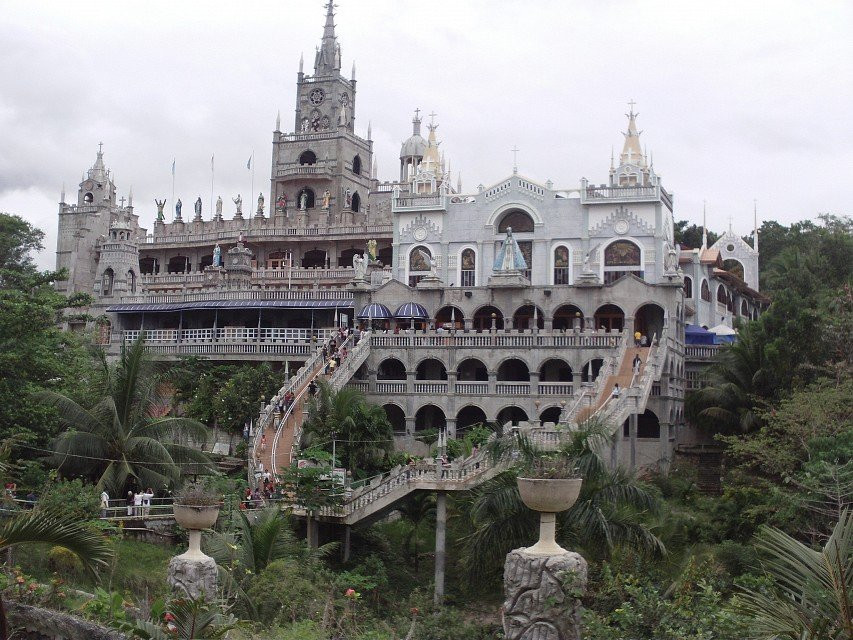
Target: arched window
point(309, 198)
point(468, 272)
point(131, 281)
point(688, 287)
point(89, 198)
point(307, 157)
point(419, 264)
point(356, 202)
point(620, 259)
point(706, 291)
point(356, 165)
point(148, 265)
point(179, 264)
point(107, 281)
point(722, 297)
point(520, 221)
point(561, 265)
point(744, 309)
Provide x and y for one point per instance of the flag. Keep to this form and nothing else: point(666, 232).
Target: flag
point(249, 163)
point(173, 168)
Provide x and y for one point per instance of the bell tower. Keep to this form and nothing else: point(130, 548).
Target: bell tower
point(321, 171)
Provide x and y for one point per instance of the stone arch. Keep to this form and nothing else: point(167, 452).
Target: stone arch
point(621, 257)
point(356, 165)
point(483, 318)
point(565, 315)
point(88, 198)
point(500, 213)
point(131, 281)
point(430, 416)
point(705, 291)
point(722, 295)
point(108, 281)
point(648, 425)
point(417, 266)
point(511, 414)
point(391, 369)
point(431, 369)
point(688, 287)
point(472, 370)
point(307, 158)
point(591, 370)
point(555, 370)
point(523, 317)
point(449, 314)
point(396, 416)
point(206, 261)
point(649, 319)
point(518, 220)
point(468, 267)
point(610, 317)
point(513, 370)
point(345, 259)
point(148, 265)
point(735, 266)
point(551, 414)
point(355, 203)
point(744, 309)
point(561, 259)
point(309, 198)
point(468, 416)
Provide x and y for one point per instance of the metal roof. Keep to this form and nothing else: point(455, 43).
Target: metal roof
point(165, 307)
point(411, 310)
point(375, 311)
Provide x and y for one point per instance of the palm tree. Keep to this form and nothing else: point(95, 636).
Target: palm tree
point(49, 528)
point(608, 512)
point(126, 434)
point(812, 593)
point(736, 382)
point(418, 509)
point(361, 430)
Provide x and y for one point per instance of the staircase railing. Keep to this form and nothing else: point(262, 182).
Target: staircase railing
point(609, 367)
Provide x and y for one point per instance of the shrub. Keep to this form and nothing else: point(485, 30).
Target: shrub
point(300, 599)
point(72, 499)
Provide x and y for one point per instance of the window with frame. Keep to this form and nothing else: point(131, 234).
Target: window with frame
point(468, 271)
point(419, 264)
point(561, 265)
point(688, 287)
point(622, 258)
point(706, 291)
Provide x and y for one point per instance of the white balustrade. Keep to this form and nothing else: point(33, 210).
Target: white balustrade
point(513, 388)
point(472, 388)
point(555, 388)
point(431, 387)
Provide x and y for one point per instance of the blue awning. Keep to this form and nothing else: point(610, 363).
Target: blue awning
point(168, 307)
point(694, 334)
point(376, 311)
point(411, 310)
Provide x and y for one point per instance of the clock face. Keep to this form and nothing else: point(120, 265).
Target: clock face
point(344, 99)
point(420, 234)
point(317, 96)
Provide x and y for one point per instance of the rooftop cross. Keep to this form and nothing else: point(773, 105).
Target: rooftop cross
point(631, 104)
point(417, 114)
point(432, 117)
point(100, 147)
point(122, 202)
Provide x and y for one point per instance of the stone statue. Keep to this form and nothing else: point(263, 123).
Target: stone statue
point(371, 250)
point(327, 197)
point(198, 207)
point(281, 203)
point(588, 258)
point(240, 237)
point(239, 202)
point(671, 261)
point(178, 206)
point(217, 255)
point(509, 256)
point(359, 264)
point(261, 203)
point(348, 197)
point(303, 201)
point(305, 125)
point(160, 204)
point(219, 207)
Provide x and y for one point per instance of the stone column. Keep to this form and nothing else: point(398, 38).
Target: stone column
point(440, 532)
point(541, 592)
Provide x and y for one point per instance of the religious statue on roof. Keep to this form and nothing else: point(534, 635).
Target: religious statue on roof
point(160, 204)
point(371, 250)
point(178, 206)
point(217, 256)
point(261, 203)
point(509, 256)
point(327, 197)
point(198, 207)
point(219, 207)
point(239, 202)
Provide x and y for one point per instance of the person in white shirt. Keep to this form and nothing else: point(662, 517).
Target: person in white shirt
point(137, 504)
point(616, 390)
point(146, 501)
point(105, 503)
point(130, 503)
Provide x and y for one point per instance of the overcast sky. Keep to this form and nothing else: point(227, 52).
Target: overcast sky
point(737, 100)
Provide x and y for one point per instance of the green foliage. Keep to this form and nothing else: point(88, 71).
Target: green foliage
point(126, 435)
point(72, 499)
point(311, 487)
point(301, 600)
point(625, 605)
point(690, 236)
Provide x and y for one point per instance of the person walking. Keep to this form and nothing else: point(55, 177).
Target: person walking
point(637, 362)
point(264, 442)
point(616, 391)
point(105, 503)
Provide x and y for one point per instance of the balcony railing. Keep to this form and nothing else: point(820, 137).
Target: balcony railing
point(555, 388)
point(230, 235)
point(701, 351)
point(344, 296)
point(498, 339)
point(593, 193)
point(278, 277)
point(276, 335)
point(472, 388)
point(419, 203)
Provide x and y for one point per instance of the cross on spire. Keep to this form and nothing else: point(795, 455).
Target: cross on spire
point(432, 117)
point(631, 104)
point(515, 151)
point(100, 147)
point(417, 114)
point(122, 201)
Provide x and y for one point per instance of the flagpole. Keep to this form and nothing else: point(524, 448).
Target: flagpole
point(173, 182)
point(211, 186)
point(252, 200)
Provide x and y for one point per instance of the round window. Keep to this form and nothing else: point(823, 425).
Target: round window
point(730, 247)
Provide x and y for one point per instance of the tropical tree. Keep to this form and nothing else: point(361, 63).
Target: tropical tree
point(42, 527)
point(126, 435)
point(811, 597)
point(608, 512)
point(417, 509)
point(363, 436)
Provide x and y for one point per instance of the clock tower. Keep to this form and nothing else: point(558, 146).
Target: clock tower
point(321, 171)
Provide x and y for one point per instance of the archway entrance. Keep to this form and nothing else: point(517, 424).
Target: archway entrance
point(555, 370)
point(610, 317)
point(513, 415)
point(391, 369)
point(468, 417)
point(648, 320)
point(431, 369)
point(430, 417)
point(484, 316)
point(566, 316)
point(591, 370)
point(551, 414)
point(523, 317)
point(513, 370)
point(315, 258)
point(471, 370)
point(396, 417)
point(447, 316)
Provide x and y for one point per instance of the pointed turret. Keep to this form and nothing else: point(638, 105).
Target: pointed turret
point(432, 159)
point(704, 227)
point(278, 121)
point(328, 61)
point(632, 153)
point(98, 170)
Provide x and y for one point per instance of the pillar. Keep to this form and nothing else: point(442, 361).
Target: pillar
point(451, 428)
point(440, 533)
point(632, 431)
point(346, 545)
point(493, 380)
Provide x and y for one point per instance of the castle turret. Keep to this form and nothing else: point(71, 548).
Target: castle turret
point(118, 264)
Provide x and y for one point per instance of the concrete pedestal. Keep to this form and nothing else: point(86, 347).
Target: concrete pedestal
point(193, 576)
point(536, 605)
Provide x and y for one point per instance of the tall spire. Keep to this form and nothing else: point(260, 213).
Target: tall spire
point(704, 227)
point(416, 123)
point(98, 170)
point(130, 197)
point(278, 121)
point(328, 59)
point(62, 195)
point(632, 153)
point(755, 220)
point(369, 130)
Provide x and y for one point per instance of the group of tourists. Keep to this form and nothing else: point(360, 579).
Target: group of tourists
point(138, 503)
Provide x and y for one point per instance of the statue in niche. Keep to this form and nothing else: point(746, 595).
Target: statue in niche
point(305, 125)
point(588, 258)
point(348, 198)
point(327, 197)
point(303, 201)
point(371, 250)
point(219, 207)
point(359, 265)
point(261, 203)
point(160, 204)
point(281, 203)
point(178, 206)
point(239, 202)
point(217, 256)
point(198, 207)
point(429, 260)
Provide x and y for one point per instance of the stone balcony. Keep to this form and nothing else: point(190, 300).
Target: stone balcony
point(263, 278)
point(260, 234)
point(592, 194)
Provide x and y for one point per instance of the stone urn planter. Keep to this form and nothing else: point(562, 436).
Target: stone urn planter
point(548, 496)
point(194, 519)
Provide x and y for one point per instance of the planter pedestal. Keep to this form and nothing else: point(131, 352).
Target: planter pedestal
point(193, 573)
point(536, 604)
